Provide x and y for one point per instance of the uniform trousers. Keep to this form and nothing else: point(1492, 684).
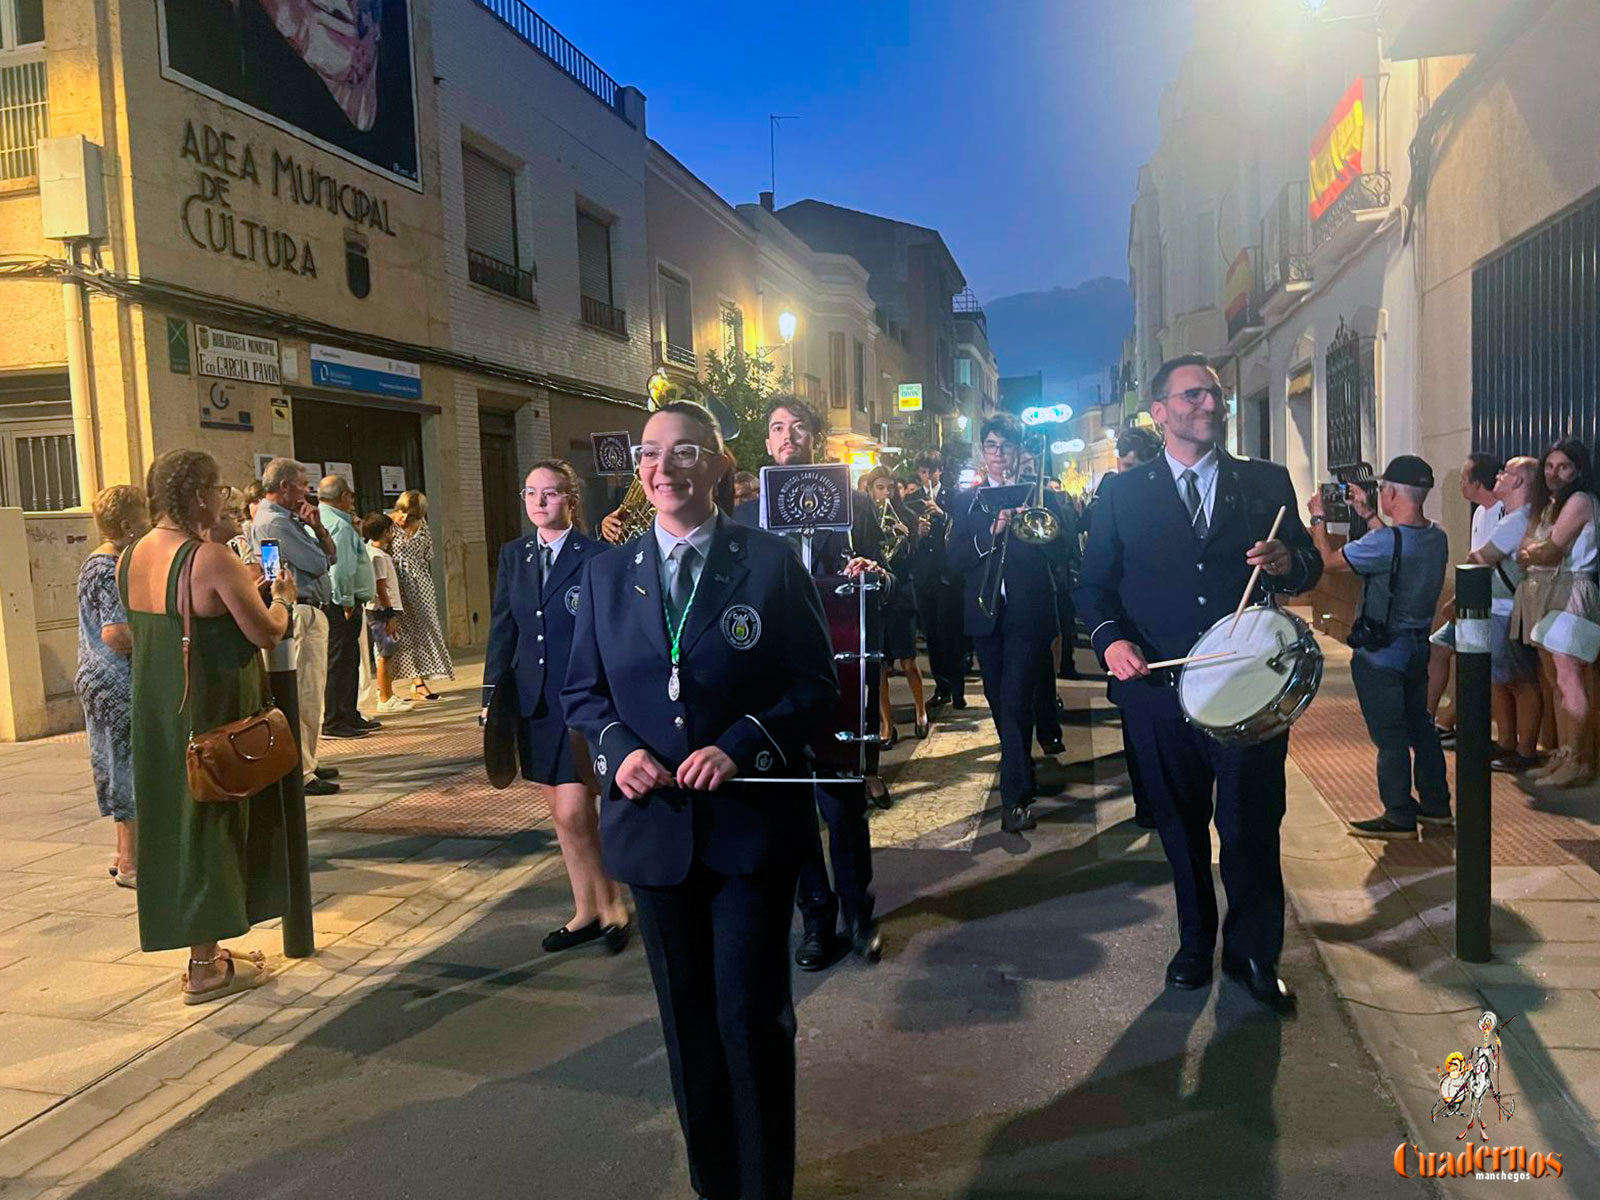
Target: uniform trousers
point(1046, 716)
point(844, 808)
point(311, 674)
point(344, 666)
point(939, 612)
point(1188, 778)
point(718, 949)
point(1013, 664)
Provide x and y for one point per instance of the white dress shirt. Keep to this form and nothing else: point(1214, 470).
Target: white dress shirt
point(699, 537)
point(555, 544)
point(1205, 472)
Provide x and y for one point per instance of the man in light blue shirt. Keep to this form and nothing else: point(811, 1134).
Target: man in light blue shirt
point(352, 584)
point(1402, 568)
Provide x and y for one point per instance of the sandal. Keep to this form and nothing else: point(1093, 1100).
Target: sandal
point(422, 693)
point(242, 975)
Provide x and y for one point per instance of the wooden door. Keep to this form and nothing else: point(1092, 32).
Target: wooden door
point(502, 501)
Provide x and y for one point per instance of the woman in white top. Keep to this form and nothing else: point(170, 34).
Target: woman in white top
point(1557, 607)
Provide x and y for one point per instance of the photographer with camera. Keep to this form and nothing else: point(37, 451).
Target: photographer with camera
point(1402, 566)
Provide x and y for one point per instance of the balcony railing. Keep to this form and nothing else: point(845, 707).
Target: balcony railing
point(1286, 244)
point(681, 356)
point(1366, 194)
point(603, 316)
point(547, 40)
point(498, 276)
point(24, 113)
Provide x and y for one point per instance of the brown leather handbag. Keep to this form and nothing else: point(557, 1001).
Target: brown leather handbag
point(244, 757)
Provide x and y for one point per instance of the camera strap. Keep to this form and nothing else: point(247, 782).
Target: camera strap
point(1394, 575)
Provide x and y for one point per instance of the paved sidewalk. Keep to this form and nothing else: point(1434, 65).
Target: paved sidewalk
point(1383, 916)
point(89, 1017)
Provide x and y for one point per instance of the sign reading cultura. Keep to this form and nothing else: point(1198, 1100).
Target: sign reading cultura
point(212, 223)
point(1336, 150)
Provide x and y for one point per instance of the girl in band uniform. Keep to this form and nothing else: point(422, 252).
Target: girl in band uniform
point(900, 613)
point(536, 599)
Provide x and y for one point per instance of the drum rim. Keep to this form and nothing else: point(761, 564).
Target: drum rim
point(1302, 682)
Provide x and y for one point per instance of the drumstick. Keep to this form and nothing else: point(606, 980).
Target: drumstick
point(1256, 574)
point(1191, 658)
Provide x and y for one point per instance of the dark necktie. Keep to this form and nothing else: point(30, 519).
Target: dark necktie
point(1197, 510)
point(685, 556)
point(545, 563)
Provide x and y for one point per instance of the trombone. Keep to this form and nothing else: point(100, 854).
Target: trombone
point(893, 530)
point(1035, 525)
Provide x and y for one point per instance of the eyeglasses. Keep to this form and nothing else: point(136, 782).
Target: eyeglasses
point(545, 495)
point(684, 455)
point(1192, 396)
point(993, 447)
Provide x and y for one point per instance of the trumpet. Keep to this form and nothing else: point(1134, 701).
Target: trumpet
point(1035, 525)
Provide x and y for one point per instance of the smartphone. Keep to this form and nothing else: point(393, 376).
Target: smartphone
point(269, 559)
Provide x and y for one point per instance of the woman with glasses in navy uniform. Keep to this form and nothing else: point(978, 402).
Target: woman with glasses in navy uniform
point(701, 662)
point(536, 599)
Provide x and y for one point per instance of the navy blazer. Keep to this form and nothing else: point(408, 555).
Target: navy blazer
point(757, 680)
point(1030, 574)
point(1146, 578)
point(530, 634)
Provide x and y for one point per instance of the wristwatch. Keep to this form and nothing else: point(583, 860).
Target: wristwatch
point(1319, 519)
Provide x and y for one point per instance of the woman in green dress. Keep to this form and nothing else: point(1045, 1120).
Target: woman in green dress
point(207, 871)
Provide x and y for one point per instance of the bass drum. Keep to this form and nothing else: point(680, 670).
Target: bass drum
point(1272, 669)
point(849, 747)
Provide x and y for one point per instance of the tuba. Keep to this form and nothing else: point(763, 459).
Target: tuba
point(635, 512)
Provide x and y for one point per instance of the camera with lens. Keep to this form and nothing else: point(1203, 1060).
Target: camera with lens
point(1338, 505)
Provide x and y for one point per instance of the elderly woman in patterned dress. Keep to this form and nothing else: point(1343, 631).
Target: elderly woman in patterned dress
point(420, 651)
point(104, 681)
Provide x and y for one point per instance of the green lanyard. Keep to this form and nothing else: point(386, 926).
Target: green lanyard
point(675, 636)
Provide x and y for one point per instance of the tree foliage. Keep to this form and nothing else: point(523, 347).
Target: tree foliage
point(744, 380)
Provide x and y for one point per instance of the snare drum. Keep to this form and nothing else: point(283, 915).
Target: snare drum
point(849, 747)
point(1272, 671)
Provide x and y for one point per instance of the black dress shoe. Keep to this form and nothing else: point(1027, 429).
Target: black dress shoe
point(817, 950)
point(361, 722)
point(343, 731)
point(566, 939)
point(920, 728)
point(878, 794)
point(320, 787)
point(1189, 970)
point(959, 702)
point(1017, 818)
point(326, 772)
point(616, 936)
point(1052, 746)
point(940, 699)
point(1261, 980)
point(1144, 820)
point(866, 942)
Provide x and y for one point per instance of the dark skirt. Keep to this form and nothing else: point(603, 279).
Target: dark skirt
point(545, 748)
point(900, 622)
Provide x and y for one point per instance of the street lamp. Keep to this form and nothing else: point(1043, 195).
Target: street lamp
point(962, 422)
point(787, 324)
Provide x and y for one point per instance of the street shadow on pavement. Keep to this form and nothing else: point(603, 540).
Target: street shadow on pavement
point(1412, 927)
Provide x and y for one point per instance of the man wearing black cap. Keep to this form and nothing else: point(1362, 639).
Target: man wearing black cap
point(1402, 566)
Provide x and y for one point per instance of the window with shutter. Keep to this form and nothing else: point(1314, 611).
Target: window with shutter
point(594, 258)
point(677, 320)
point(861, 377)
point(838, 387)
point(491, 207)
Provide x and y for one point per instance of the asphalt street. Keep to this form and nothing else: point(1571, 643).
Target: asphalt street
point(1016, 1041)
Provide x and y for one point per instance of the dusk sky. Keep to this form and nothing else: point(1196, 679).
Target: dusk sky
point(1015, 127)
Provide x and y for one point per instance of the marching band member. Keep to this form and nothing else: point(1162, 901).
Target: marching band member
point(530, 634)
point(794, 430)
point(938, 589)
point(900, 614)
point(700, 653)
point(1171, 549)
point(1013, 645)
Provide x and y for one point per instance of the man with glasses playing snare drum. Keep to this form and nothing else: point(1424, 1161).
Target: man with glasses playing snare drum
point(1171, 550)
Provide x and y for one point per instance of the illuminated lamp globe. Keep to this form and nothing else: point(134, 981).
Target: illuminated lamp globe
point(787, 324)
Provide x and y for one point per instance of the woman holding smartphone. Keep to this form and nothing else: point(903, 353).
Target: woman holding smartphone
point(536, 597)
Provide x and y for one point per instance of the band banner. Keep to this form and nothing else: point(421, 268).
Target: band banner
point(799, 498)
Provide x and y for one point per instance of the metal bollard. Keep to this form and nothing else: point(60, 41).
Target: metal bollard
point(298, 939)
point(1473, 705)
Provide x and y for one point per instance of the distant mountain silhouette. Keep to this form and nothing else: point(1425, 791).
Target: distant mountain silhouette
point(1067, 332)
